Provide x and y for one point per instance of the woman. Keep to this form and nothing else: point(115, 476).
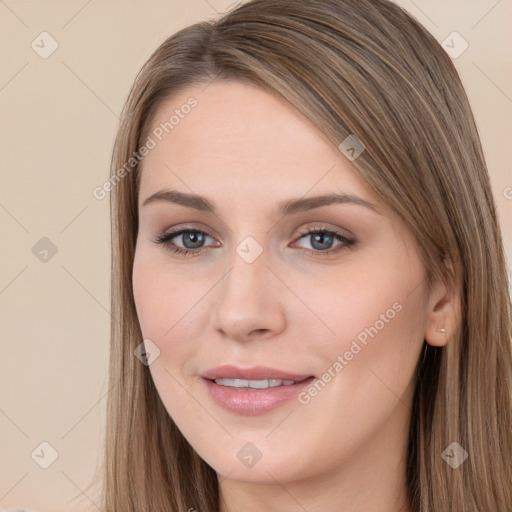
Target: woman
point(309, 289)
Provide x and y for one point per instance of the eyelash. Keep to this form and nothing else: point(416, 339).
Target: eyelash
point(165, 239)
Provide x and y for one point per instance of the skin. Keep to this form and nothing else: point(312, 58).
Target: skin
point(247, 150)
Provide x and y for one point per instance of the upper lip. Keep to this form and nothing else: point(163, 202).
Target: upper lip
point(254, 373)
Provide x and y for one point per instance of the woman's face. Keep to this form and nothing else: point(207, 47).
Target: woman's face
point(259, 288)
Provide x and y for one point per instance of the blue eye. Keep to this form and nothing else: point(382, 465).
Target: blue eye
point(192, 240)
point(322, 237)
point(191, 237)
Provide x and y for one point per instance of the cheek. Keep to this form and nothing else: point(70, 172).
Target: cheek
point(147, 290)
point(370, 319)
point(366, 364)
point(168, 311)
point(170, 308)
point(161, 294)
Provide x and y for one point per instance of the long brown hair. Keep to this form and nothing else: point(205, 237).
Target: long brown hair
point(362, 67)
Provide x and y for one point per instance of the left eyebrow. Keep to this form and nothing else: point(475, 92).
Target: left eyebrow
point(304, 204)
point(289, 207)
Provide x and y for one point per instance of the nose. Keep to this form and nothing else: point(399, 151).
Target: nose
point(250, 301)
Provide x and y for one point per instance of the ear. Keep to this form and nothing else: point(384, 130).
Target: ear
point(443, 310)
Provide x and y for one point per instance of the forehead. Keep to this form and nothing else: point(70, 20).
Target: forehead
point(230, 113)
point(240, 137)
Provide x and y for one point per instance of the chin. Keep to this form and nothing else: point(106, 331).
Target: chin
point(243, 461)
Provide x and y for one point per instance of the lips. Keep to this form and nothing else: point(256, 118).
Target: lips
point(253, 402)
point(254, 373)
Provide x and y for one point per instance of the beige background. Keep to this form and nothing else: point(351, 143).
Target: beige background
point(59, 116)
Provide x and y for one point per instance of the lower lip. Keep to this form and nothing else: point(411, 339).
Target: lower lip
point(251, 402)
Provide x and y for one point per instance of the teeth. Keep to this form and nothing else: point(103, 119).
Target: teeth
point(256, 384)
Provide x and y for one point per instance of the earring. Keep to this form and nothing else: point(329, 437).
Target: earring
point(443, 331)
